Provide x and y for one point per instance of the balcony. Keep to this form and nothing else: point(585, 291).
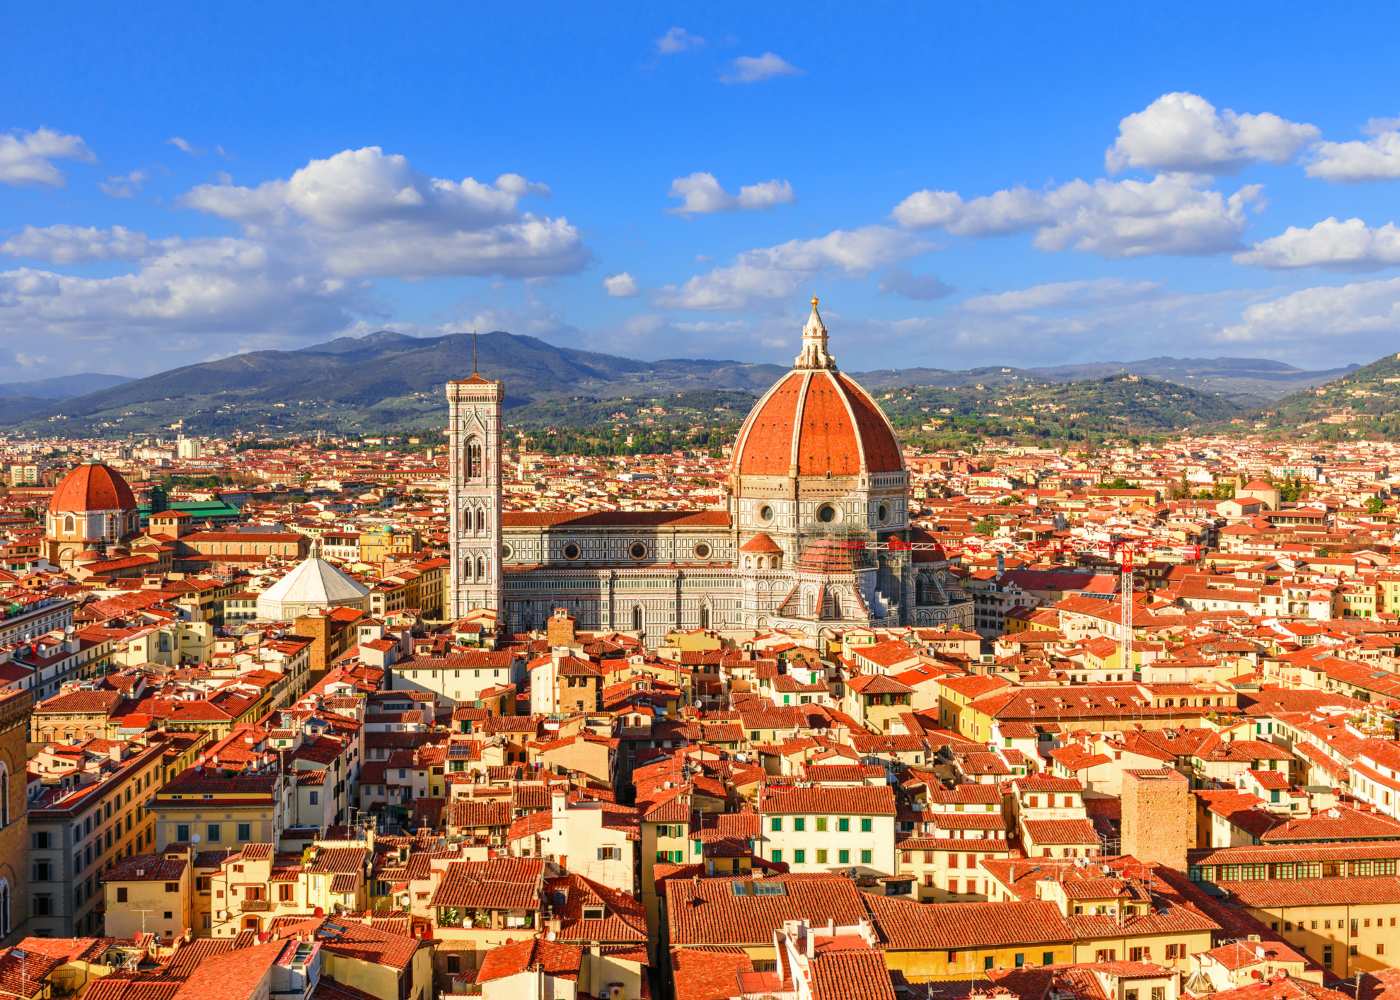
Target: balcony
point(256, 905)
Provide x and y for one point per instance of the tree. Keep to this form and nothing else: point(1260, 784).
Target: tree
point(1374, 505)
point(986, 527)
point(1292, 489)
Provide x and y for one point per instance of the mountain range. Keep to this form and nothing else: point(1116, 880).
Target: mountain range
point(390, 381)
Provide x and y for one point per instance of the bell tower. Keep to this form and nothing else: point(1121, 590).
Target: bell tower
point(474, 495)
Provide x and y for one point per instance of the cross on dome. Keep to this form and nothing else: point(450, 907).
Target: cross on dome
point(814, 353)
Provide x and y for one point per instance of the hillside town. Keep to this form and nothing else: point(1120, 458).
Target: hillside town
point(824, 717)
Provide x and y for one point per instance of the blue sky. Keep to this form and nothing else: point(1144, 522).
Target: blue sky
point(980, 184)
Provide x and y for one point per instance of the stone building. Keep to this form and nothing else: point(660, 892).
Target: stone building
point(93, 508)
point(14, 816)
point(1159, 817)
point(814, 535)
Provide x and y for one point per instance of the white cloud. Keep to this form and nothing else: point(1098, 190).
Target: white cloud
point(1373, 159)
point(1183, 131)
point(765, 194)
point(753, 69)
point(676, 40)
point(1070, 321)
point(1010, 211)
point(1349, 245)
point(27, 157)
point(184, 145)
point(1362, 310)
point(658, 335)
point(777, 272)
point(520, 187)
point(923, 287)
point(1170, 214)
point(366, 213)
point(74, 244)
point(198, 287)
point(621, 285)
point(700, 193)
point(124, 185)
point(1062, 295)
point(301, 266)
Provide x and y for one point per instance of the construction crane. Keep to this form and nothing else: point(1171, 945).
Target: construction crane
point(1126, 550)
point(857, 542)
point(1125, 586)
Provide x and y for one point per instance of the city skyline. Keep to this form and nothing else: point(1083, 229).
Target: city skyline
point(961, 188)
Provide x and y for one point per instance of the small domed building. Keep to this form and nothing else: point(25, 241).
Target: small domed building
point(814, 535)
point(312, 585)
point(91, 508)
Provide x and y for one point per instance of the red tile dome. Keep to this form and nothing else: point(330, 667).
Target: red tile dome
point(92, 487)
point(820, 421)
point(816, 421)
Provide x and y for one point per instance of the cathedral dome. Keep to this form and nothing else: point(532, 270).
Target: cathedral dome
point(92, 487)
point(816, 421)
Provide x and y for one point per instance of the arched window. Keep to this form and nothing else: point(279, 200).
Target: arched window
point(704, 616)
point(480, 568)
point(923, 593)
point(481, 519)
point(4, 796)
point(467, 567)
point(637, 619)
point(4, 907)
point(70, 524)
point(474, 459)
point(835, 605)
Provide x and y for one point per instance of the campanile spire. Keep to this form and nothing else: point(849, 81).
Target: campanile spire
point(814, 353)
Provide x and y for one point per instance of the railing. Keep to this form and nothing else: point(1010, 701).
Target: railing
point(256, 905)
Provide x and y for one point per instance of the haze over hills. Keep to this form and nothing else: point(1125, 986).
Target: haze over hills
point(392, 381)
point(1250, 381)
point(1364, 403)
point(60, 386)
